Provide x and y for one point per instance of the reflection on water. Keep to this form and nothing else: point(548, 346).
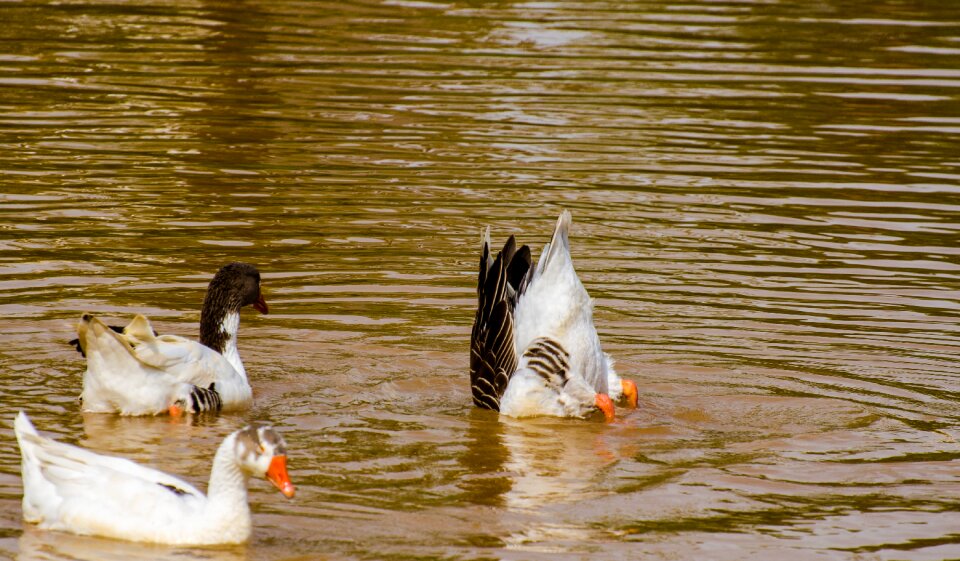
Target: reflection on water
point(186, 444)
point(37, 545)
point(485, 480)
point(552, 465)
point(765, 201)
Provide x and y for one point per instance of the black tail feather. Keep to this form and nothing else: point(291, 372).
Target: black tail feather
point(205, 399)
point(492, 356)
point(520, 271)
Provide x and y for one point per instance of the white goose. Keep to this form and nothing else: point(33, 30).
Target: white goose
point(74, 490)
point(534, 349)
point(137, 372)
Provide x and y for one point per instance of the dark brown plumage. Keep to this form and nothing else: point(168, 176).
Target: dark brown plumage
point(492, 356)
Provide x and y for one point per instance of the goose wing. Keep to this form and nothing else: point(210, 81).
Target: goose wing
point(493, 356)
point(188, 361)
point(216, 383)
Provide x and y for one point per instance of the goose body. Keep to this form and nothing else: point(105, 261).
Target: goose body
point(71, 489)
point(137, 372)
point(534, 348)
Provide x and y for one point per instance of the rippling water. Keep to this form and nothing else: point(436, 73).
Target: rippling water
point(766, 201)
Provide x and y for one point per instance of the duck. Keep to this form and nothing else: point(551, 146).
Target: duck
point(71, 489)
point(134, 371)
point(534, 349)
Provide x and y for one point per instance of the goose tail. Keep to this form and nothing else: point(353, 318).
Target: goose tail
point(22, 426)
point(116, 379)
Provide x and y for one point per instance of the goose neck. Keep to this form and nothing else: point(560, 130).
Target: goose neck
point(218, 330)
point(228, 483)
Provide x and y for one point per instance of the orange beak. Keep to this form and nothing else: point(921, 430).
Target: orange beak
point(605, 404)
point(277, 474)
point(175, 411)
point(630, 392)
point(260, 305)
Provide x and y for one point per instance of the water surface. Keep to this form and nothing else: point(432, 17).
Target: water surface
point(765, 198)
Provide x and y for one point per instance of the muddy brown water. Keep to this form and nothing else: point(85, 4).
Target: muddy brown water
point(766, 202)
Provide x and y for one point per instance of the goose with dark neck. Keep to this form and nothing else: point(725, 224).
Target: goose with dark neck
point(137, 372)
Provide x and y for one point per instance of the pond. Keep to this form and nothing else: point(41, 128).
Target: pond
point(766, 207)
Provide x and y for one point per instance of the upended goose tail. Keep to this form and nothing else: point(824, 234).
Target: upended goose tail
point(534, 347)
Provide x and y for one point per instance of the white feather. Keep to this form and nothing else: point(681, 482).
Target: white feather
point(231, 325)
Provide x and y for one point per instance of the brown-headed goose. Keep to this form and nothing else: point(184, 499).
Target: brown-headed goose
point(137, 372)
point(74, 490)
point(534, 349)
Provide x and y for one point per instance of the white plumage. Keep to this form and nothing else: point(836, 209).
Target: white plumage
point(71, 489)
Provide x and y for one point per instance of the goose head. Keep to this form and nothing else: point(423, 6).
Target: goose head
point(234, 286)
point(260, 451)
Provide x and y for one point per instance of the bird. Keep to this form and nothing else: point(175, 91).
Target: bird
point(534, 349)
point(71, 489)
point(134, 371)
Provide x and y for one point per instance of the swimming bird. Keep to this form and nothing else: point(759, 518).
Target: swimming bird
point(534, 349)
point(75, 490)
point(137, 372)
